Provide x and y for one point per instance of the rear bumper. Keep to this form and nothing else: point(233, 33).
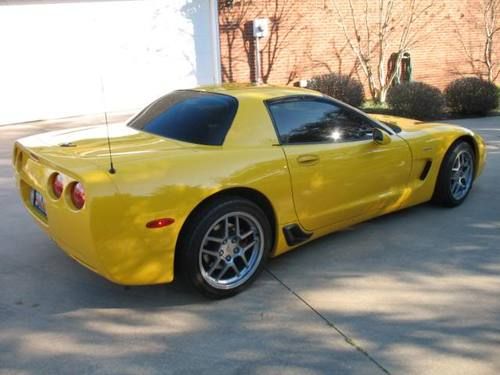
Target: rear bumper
point(108, 235)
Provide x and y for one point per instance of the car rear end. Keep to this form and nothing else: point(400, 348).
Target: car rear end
point(108, 222)
point(57, 191)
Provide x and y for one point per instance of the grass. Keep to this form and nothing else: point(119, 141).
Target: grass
point(371, 106)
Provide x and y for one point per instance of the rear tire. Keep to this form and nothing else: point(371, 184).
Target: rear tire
point(456, 175)
point(225, 246)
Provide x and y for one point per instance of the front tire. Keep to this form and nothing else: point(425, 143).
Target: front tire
point(225, 246)
point(456, 175)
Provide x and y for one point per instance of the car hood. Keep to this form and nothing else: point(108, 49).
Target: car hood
point(408, 125)
point(92, 142)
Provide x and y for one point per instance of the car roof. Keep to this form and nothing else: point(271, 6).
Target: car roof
point(262, 92)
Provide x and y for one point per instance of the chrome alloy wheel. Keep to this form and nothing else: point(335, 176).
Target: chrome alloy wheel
point(231, 250)
point(462, 174)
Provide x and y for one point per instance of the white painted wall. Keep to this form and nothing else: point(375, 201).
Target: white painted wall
point(53, 54)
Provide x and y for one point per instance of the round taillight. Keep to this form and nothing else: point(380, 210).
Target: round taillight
point(57, 185)
point(78, 195)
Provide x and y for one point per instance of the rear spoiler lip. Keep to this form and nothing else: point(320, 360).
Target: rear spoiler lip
point(56, 163)
point(76, 169)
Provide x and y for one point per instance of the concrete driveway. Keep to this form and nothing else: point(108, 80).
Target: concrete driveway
point(415, 292)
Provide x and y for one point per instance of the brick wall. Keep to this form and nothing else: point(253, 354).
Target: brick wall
point(306, 39)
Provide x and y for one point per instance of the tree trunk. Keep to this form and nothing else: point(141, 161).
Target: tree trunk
point(383, 94)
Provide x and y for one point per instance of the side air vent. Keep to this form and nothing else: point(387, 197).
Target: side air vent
point(295, 235)
point(425, 171)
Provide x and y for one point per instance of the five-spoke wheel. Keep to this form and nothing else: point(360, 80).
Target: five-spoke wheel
point(456, 175)
point(461, 176)
point(225, 245)
point(230, 250)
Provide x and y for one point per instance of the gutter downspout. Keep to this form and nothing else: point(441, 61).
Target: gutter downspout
point(215, 34)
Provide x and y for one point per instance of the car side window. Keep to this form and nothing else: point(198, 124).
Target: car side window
point(315, 121)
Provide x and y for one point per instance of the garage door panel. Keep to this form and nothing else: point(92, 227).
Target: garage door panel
point(57, 54)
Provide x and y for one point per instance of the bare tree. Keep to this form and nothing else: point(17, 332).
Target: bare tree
point(339, 54)
point(481, 59)
point(236, 20)
point(380, 28)
point(472, 61)
point(490, 12)
point(280, 11)
point(232, 29)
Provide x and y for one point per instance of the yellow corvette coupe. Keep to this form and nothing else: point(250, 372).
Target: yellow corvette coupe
point(212, 181)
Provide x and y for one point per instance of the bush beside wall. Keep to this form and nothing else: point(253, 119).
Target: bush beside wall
point(416, 100)
point(471, 96)
point(339, 86)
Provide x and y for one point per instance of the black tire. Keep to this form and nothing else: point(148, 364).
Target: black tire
point(444, 192)
point(193, 265)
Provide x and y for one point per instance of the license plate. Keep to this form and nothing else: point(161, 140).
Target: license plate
point(38, 202)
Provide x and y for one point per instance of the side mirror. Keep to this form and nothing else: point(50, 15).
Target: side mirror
point(380, 137)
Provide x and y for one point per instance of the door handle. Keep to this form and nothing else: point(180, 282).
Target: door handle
point(308, 159)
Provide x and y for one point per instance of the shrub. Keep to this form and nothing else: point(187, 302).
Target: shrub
point(471, 96)
point(416, 99)
point(339, 86)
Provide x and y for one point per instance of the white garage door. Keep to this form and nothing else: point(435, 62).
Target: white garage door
point(55, 56)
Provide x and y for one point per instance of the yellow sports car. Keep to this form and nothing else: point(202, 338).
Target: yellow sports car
point(212, 181)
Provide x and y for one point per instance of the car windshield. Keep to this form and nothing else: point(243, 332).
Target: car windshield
point(188, 116)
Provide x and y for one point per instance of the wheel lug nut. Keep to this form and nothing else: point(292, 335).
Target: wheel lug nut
point(236, 251)
point(221, 252)
point(228, 258)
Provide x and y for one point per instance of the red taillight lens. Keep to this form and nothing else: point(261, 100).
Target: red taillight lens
point(78, 195)
point(57, 185)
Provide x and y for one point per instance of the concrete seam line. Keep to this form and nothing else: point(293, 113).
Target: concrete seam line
point(347, 339)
